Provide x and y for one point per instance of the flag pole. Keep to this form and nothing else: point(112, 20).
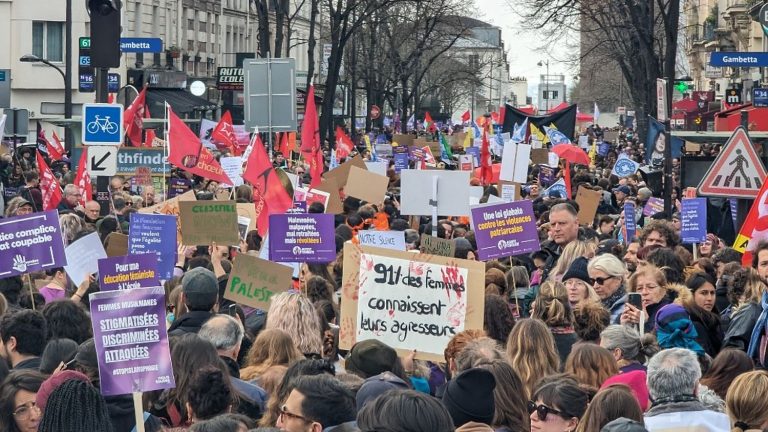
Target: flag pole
point(166, 150)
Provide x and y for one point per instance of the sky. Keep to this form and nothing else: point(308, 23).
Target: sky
point(522, 45)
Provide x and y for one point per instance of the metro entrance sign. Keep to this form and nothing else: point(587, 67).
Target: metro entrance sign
point(738, 59)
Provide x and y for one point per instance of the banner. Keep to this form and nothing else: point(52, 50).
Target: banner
point(693, 220)
point(564, 120)
point(653, 206)
point(151, 233)
point(254, 281)
point(394, 240)
point(505, 229)
point(624, 166)
point(630, 224)
point(128, 272)
point(205, 222)
point(129, 332)
point(31, 243)
point(656, 142)
point(302, 238)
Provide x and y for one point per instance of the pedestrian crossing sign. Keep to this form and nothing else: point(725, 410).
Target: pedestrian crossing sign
point(737, 172)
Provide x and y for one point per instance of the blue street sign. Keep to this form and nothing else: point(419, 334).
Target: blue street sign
point(738, 59)
point(131, 158)
point(147, 45)
point(87, 83)
point(102, 124)
point(760, 97)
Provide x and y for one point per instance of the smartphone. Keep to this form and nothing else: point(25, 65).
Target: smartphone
point(232, 310)
point(635, 300)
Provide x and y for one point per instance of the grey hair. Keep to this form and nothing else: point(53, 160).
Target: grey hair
point(71, 188)
point(609, 264)
point(628, 340)
point(564, 207)
point(223, 331)
point(478, 351)
point(673, 372)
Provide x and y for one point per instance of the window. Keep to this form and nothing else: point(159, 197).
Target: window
point(190, 24)
point(545, 94)
point(190, 45)
point(48, 40)
point(554, 94)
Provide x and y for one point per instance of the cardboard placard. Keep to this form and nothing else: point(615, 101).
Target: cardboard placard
point(588, 201)
point(170, 206)
point(425, 270)
point(437, 246)
point(248, 210)
point(434, 146)
point(403, 139)
point(452, 192)
point(509, 191)
point(384, 239)
point(254, 281)
point(540, 156)
point(116, 244)
point(341, 173)
point(366, 185)
point(330, 186)
point(457, 139)
point(205, 222)
point(692, 147)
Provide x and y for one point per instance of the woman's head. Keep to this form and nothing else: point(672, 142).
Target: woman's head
point(571, 252)
point(578, 283)
point(18, 410)
point(625, 343)
point(210, 394)
point(552, 306)
point(294, 314)
point(272, 347)
point(727, 365)
point(557, 406)
point(509, 395)
point(609, 404)
point(75, 405)
point(746, 403)
point(650, 282)
point(307, 270)
point(590, 318)
point(608, 274)
point(748, 286)
point(318, 288)
point(668, 262)
point(702, 285)
point(498, 321)
point(531, 352)
point(591, 364)
point(405, 410)
point(70, 224)
point(57, 351)
point(67, 319)
point(457, 343)
point(189, 354)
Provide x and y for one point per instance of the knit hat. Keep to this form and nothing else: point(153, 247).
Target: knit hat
point(371, 357)
point(200, 288)
point(86, 354)
point(377, 385)
point(469, 397)
point(623, 424)
point(674, 329)
point(578, 270)
point(636, 381)
point(53, 382)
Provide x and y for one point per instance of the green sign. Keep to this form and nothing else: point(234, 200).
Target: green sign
point(85, 42)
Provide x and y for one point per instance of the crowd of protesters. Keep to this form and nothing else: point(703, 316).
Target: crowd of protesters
point(563, 347)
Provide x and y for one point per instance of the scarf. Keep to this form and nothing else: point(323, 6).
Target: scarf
point(674, 329)
point(759, 332)
point(613, 298)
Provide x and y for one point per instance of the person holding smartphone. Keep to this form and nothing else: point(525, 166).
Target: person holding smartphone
point(655, 293)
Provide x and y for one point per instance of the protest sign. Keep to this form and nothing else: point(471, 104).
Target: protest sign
point(128, 272)
point(452, 192)
point(588, 201)
point(630, 224)
point(409, 301)
point(205, 222)
point(394, 240)
point(170, 206)
point(693, 220)
point(298, 208)
point(143, 176)
point(653, 206)
point(116, 244)
point(509, 191)
point(377, 167)
point(624, 166)
point(253, 281)
point(233, 168)
point(129, 332)
point(692, 147)
point(330, 186)
point(403, 140)
point(401, 161)
point(437, 246)
point(475, 195)
point(505, 229)
point(466, 162)
point(178, 186)
point(302, 238)
point(475, 153)
point(546, 176)
point(311, 196)
point(83, 256)
point(154, 234)
point(247, 211)
point(30, 243)
point(539, 156)
point(341, 174)
point(366, 185)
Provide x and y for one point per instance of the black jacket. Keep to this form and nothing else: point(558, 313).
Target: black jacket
point(708, 328)
point(120, 410)
point(190, 322)
point(740, 329)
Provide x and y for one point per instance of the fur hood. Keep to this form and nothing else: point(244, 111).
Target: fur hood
point(679, 293)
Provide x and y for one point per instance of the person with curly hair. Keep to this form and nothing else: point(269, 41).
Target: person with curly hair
point(659, 232)
point(746, 293)
point(589, 320)
point(294, 314)
point(498, 320)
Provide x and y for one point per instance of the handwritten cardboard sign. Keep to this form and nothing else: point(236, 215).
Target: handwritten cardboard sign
point(403, 140)
point(588, 201)
point(394, 240)
point(331, 187)
point(254, 281)
point(366, 185)
point(205, 222)
point(341, 173)
point(449, 293)
point(437, 246)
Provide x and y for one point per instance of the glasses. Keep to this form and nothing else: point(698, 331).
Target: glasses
point(647, 288)
point(542, 410)
point(24, 411)
point(285, 413)
point(602, 281)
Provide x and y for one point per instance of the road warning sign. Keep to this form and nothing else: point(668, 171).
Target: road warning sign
point(737, 171)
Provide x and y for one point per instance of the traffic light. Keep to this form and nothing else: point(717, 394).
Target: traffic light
point(681, 87)
point(105, 32)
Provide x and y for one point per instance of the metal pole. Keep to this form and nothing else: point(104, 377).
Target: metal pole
point(546, 81)
point(269, 99)
point(668, 204)
point(68, 138)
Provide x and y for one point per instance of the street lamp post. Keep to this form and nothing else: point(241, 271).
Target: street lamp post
point(546, 81)
point(30, 58)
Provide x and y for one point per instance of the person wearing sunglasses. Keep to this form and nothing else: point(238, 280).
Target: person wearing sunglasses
point(318, 403)
point(557, 406)
point(607, 273)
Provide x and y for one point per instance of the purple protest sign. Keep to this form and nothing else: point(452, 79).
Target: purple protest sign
point(653, 206)
point(401, 161)
point(693, 220)
point(505, 229)
point(299, 207)
point(154, 233)
point(546, 175)
point(302, 238)
point(178, 186)
point(475, 152)
point(630, 224)
point(131, 340)
point(128, 272)
point(31, 243)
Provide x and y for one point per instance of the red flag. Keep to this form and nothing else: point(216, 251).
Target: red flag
point(466, 116)
point(344, 144)
point(495, 117)
point(150, 137)
point(310, 127)
point(49, 186)
point(284, 145)
point(755, 227)
point(291, 141)
point(567, 179)
point(208, 167)
point(83, 179)
point(57, 144)
point(316, 168)
point(485, 160)
point(133, 118)
point(55, 152)
point(224, 134)
point(184, 145)
point(269, 194)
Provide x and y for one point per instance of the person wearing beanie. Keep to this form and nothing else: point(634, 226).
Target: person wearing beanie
point(53, 382)
point(75, 406)
point(469, 397)
point(709, 246)
point(578, 284)
point(636, 381)
point(200, 293)
point(674, 329)
point(372, 357)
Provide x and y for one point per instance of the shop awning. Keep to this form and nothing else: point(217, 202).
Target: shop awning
point(181, 102)
point(730, 119)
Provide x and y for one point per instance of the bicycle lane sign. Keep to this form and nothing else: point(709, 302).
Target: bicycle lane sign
point(102, 124)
